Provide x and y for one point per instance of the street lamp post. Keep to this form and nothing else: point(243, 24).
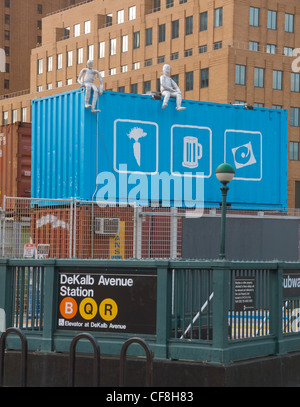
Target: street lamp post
point(224, 173)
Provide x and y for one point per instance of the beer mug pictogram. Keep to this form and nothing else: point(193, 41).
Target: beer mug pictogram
point(192, 152)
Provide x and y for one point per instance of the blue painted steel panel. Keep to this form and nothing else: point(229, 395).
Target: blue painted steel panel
point(133, 143)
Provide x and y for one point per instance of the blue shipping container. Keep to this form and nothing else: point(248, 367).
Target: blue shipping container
point(135, 151)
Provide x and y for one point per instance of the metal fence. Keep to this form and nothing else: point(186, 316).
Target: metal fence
point(72, 228)
point(213, 311)
point(57, 228)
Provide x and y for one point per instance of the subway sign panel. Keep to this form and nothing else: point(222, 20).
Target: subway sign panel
point(107, 301)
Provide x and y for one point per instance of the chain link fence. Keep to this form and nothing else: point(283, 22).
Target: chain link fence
point(72, 228)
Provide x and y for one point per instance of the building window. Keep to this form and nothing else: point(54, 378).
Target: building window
point(124, 43)
point(76, 30)
point(161, 33)
point(108, 20)
point(87, 27)
point(277, 107)
point(6, 84)
point(259, 75)
point(161, 59)
point(24, 114)
point(39, 88)
point(174, 55)
point(271, 49)
point(70, 58)
point(272, 20)
point(175, 29)
point(175, 78)
point(136, 40)
point(202, 49)
point(49, 64)
point(40, 66)
point(80, 56)
point(169, 3)
point(133, 88)
point(218, 17)
point(66, 33)
point(113, 46)
point(121, 89)
point(132, 13)
point(91, 52)
point(120, 16)
point(218, 45)
point(240, 75)
point(294, 116)
point(147, 86)
point(156, 5)
point(294, 151)
point(101, 49)
point(148, 35)
point(124, 68)
point(288, 51)
point(59, 61)
point(188, 52)
point(39, 24)
point(5, 118)
point(254, 16)
point(7, 19)
point(189, 81)
point(136, 65)
point(7, 4)
point(289, 23)
point(7, 35)
point(295, 82)
point(204, 78)
point(69, 81)
point(253, 46)
point(49, 86)
point(189, 25)
point(14, 115)
point(203, 21)
point(148, 62)
point(40, 9)
point(59, 84)
point(277, 80)
point(113, 71)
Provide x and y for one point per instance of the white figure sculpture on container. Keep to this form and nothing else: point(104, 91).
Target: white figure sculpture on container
point(169, 88)
point(88, 82)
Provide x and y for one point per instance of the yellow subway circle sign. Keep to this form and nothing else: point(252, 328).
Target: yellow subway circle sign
point(110, 301)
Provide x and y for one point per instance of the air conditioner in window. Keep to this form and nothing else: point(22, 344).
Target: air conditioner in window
point(107, 226)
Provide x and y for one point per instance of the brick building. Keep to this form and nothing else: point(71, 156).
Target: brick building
point(227, 51)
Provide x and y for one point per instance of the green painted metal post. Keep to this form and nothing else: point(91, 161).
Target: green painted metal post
point(221, 289)
point(164, 303)
point(275, 312)
point(224, 190)
point(5, 293)
point(49, 306)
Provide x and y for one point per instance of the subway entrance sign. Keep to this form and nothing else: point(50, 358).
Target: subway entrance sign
point(107, 301)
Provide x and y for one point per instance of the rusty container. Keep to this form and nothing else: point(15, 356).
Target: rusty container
point(15, 160)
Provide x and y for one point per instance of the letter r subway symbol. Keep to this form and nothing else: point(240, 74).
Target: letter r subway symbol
point(108, 309)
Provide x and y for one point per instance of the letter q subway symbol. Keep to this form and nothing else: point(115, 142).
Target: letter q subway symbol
point(296, 62)
point(2, 60)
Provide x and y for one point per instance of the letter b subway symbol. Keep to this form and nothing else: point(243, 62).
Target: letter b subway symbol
point(2, 60)
point(108, 309)
point(68, 308)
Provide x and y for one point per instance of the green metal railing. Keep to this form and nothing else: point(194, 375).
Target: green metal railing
point(214, 311)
